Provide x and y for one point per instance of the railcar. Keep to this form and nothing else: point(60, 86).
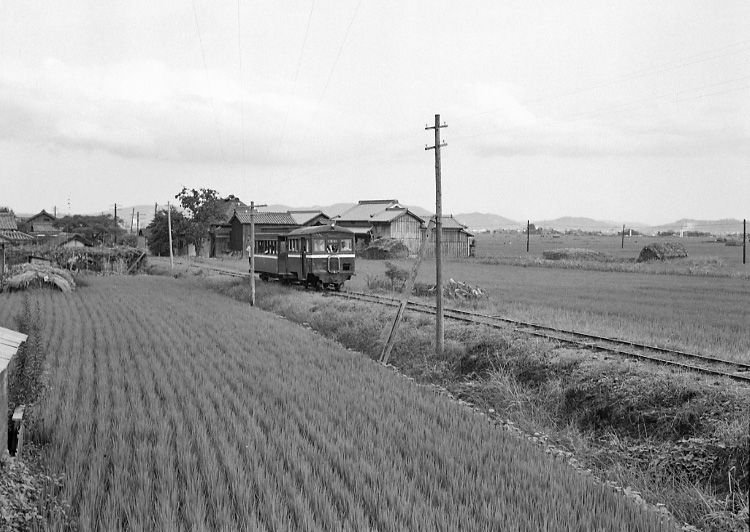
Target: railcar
point(318, 256)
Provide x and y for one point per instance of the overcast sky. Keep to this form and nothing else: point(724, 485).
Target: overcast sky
point(625, 111)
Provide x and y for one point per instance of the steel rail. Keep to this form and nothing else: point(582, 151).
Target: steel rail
point(535, 330)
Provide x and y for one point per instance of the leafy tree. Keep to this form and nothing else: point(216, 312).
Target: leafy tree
point(158, 242)
point(98, 229)
point(205, 208)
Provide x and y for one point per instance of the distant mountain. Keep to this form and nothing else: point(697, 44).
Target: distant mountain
point(572, 223)
point(478, 220)
point(715, 227)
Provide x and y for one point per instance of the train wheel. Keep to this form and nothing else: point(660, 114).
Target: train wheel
point(337, 286)
point(263, 277)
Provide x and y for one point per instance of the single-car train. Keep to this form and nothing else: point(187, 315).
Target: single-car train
point(317, 256)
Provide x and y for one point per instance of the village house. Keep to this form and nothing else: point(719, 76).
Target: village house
point(371, 219)
point(9, 230)
point(40, 224)
point(456, 240)
point(268, 225)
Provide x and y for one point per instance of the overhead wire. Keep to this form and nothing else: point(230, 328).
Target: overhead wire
point(330, 75)
point(294, 85)
point(242, 91)
point(208, 85)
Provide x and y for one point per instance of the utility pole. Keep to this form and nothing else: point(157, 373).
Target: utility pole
point(623, 237)
point(138, 223)
point(156, 206)
point(744, 239)
point(132, 215)
point(252, 252)
point(528, 234)
point(169, 226)
point(115, 240)
point(439, 332)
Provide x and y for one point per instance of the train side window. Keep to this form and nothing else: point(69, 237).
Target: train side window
point(319, 246)
point(346, 244)
point(293, 245)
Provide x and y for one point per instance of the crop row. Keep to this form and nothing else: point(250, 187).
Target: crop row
point(176, 409)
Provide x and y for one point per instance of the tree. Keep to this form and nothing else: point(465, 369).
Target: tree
point(205, 208)
point(98, 229)
point(158, 242)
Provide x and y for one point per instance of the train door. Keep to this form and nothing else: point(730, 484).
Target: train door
point(283, 256)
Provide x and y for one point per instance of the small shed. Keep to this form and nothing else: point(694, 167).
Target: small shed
point(10, 341)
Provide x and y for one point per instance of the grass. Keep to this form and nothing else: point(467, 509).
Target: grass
point(674, 438)
point(196, 412)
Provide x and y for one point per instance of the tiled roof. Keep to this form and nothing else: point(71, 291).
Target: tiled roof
point(365, 210)
point(302, 217)
point(15, 236)
point(44, 227)
point(42, 213)
point(8, 221)
point(267, 218)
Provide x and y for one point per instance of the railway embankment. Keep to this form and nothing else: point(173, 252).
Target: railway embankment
point(674, 439)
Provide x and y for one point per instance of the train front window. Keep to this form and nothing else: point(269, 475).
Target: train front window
point(346, 244)
point(319, 245)
point(332, 246)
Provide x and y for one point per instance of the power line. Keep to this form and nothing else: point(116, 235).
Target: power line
point(330, 75)
point(648, 71)
point(294, 85)
point(208, 85)
point(242, 91)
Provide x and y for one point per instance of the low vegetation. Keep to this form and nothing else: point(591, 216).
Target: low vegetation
point(666, 437)
point(196, 412)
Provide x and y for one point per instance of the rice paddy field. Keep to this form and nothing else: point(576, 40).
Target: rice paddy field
point(690, 304)
point(172, 407)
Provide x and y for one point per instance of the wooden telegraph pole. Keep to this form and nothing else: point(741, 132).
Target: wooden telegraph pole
point(528, 234)
point(623, 237)
point(439, 332)
point(252, 252)
point(744, 239)
point(169, 227)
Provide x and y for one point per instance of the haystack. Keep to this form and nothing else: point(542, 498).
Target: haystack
point(576, 254)
point(662, 251)
point(385, 248)
point(38, 276)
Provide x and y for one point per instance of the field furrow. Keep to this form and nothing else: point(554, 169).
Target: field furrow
point(171, 407)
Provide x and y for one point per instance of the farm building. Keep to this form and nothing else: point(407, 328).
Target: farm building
point(66, 240)
point(371, 219)
point(456, 240)
point(267, 224)
point(222, 229)
point(41, 224)
point(310, 218)
point(9, 229)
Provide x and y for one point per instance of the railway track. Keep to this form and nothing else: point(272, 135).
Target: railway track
point(737, 371)
point(671, 357)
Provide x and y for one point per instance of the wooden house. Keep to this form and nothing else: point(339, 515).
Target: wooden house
point(371, 219)
point(41, 224)
point(66, 240)
point(310, 218)
point(456, 240)
point(267, 225)
point(9, 230)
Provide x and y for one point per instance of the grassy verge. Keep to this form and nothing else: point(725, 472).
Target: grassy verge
point(670, 438)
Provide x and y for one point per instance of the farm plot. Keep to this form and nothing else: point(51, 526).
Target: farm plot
point(173, 408)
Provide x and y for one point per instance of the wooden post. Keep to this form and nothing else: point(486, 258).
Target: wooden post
point(2, 264)
point(622, 246)
point(744, 239)
point(439, 331)
point(252, 253)
point(528, 233)
point(386, 353)
point(169, 225)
